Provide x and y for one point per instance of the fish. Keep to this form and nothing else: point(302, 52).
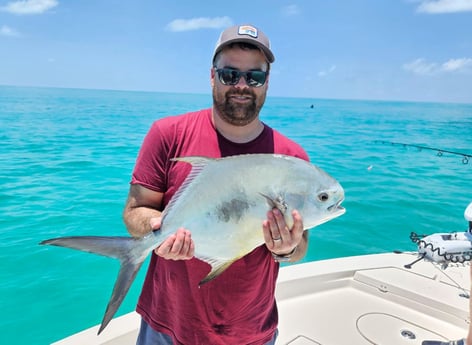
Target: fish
point(223, 203)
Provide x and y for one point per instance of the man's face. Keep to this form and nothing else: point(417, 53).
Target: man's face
point(239, 104)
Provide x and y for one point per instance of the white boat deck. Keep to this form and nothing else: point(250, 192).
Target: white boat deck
point(370, 299)
point(380, 302)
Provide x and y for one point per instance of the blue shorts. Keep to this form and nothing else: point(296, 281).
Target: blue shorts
point(148, 336)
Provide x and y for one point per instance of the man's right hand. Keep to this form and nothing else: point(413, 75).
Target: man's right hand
point(178, 246)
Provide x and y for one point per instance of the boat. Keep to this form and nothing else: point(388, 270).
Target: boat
point(386, 299)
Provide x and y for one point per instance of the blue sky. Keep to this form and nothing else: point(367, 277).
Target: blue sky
point(418, 50)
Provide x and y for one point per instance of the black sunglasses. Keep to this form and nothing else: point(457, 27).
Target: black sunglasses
point(229, 76)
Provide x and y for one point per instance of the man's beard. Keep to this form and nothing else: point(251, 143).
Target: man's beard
point(235, 113)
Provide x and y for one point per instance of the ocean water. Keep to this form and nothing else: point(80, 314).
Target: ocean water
point(66, 158)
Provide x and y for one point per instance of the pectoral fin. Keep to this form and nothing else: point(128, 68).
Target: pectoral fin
point(277, 202)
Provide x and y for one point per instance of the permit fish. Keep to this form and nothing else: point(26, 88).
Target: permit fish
point(223, 202)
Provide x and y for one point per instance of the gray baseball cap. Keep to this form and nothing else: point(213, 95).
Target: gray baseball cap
point(247, 34)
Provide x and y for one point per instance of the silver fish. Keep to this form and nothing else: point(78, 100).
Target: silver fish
point(223, 202)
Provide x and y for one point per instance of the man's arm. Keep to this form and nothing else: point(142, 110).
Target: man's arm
point(142, 210)
point(142, 215)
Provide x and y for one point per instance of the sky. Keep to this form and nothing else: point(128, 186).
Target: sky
point(406, 50)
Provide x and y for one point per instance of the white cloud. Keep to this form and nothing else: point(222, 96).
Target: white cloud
point(444, 6)
point(29, 6)
point(422, 67)
point(8, 31)
point(326, 72)
point(199, 23)
point(291, 10)
point(457, 64)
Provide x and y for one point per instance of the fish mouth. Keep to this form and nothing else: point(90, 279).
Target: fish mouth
point(337, 208)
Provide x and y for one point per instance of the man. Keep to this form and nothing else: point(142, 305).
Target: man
point(239, 306)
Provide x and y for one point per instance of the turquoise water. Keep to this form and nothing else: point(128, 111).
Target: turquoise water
point(66, 158)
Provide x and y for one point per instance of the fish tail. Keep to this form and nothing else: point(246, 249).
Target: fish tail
point(130, 251)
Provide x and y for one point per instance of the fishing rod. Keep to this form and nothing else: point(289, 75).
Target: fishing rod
point(440, 152)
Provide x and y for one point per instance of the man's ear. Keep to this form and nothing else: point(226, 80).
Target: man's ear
point(212, 76)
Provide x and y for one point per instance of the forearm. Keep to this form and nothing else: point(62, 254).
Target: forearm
point(141, 214)
point(302, 248)
point(140, 220)
point(296, 254)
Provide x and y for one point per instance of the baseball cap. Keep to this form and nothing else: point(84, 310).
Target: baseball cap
point(247, 34)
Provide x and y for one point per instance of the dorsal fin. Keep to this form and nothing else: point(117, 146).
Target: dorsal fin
point(194, 160)
point(198, 163)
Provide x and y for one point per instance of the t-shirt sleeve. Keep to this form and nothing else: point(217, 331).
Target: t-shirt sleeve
point(288, 147)
point(150, 167)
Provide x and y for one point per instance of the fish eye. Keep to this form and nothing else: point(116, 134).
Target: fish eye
point(323, 197)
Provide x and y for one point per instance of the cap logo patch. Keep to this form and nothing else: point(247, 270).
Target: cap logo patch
point(248, 30)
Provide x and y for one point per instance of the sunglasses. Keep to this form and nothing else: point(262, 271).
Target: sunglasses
point(229, 76)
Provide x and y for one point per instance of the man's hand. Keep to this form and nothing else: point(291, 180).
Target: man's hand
point(279, 238)
point(178, 246)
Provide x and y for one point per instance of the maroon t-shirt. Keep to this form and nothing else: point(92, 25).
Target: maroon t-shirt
point(238, 307)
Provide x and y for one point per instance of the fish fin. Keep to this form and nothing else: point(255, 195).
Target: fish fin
point(198, 163)
point(278, 202)
point(126, 276)
point(111, 246)
point(128, 250)
point(194, 160)
point(217, 267)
